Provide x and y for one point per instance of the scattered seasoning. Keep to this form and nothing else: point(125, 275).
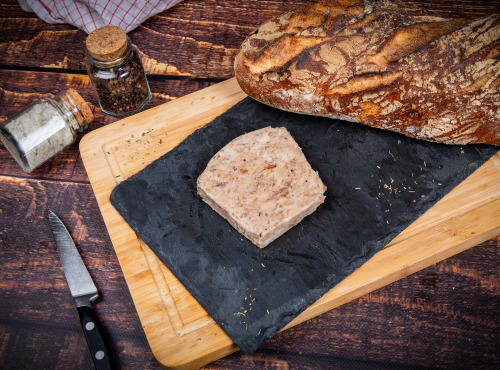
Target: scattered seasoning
point(45, 128)
point(116, 71)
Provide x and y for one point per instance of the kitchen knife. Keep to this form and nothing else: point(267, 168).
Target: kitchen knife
point(84, 292)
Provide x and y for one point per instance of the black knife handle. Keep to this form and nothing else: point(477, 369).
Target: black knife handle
point(96, 338)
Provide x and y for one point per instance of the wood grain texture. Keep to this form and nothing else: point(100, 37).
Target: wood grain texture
point(198, 39)
point(191, 39)
point(39, 325)
point(444, 316)
point(451, 305)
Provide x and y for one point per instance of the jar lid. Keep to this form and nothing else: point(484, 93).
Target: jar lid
point(107, 43)
point(82, 105)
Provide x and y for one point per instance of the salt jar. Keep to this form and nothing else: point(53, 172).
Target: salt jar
point(116, 71)
point(45, 128)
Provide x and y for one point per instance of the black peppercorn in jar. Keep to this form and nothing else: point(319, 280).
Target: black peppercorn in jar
point(116, 71)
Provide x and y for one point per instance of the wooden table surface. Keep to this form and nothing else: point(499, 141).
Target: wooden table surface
point(445, 316)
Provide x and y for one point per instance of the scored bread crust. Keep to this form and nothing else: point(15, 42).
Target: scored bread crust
point(262, 184)
point(382, 64)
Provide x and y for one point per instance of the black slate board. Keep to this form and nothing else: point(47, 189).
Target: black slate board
point(378, 183)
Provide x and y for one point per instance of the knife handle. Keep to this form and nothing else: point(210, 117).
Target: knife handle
point(96, 338)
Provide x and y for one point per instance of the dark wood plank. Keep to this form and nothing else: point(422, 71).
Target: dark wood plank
point(444, 316)
point(12, 9)
point(36, 309)
point(198, 39)
point(192, 38)
point(462, 8)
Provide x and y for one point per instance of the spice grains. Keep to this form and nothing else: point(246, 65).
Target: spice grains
point(116, 72)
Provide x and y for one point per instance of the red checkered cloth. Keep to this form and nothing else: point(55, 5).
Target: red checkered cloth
point(88, 15)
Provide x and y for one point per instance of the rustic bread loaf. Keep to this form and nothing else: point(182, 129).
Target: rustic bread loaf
point(381, 64)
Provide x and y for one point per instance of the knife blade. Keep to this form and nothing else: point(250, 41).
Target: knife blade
point(84, 292)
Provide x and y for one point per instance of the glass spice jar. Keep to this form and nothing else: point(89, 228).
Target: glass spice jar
point(116, 71)
point(45, 128)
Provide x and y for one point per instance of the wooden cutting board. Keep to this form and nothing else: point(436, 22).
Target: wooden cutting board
point(179, 331)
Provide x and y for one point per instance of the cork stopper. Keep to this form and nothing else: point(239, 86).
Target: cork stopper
point(106, 43)
point(81, 104)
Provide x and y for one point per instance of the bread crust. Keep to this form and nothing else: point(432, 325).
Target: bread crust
point(380, 64)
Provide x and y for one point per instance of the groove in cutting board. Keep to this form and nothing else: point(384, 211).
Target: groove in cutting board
point(179, 331)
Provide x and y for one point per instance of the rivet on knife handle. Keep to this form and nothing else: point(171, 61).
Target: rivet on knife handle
point(96, 339)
